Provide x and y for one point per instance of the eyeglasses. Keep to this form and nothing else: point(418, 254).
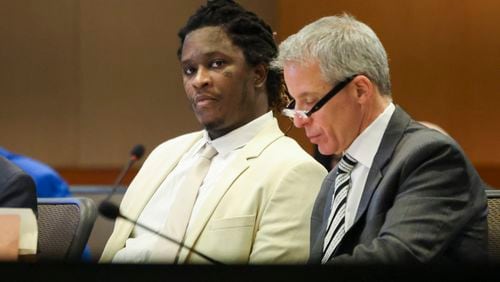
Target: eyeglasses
point(291, 112)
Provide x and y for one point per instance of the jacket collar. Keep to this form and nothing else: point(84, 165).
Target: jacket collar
point(392, 136)
point(253, 149)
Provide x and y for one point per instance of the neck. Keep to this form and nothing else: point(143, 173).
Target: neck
point(215, 133)
point(373, 110)
point(256, 107)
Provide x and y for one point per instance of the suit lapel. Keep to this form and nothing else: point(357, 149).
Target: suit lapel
point(156, 173)
point(252, 149)
point(393, 134)
point(235, 169)
point(326, 192)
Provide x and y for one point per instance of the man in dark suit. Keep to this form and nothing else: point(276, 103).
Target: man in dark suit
point(402, 193)
point(17, 189)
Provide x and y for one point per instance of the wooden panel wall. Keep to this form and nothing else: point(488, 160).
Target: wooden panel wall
point(82, 81)
point(444, 58)
point(39, 84)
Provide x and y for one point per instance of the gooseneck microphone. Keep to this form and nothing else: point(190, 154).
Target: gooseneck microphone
point(111, 211)
point(135, 154)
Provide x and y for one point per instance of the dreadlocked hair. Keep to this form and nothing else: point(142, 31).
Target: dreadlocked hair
point(248, 32)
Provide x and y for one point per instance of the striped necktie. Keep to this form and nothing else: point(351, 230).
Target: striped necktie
point(336, 221)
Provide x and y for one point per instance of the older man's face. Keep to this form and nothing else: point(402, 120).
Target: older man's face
point(335, 126)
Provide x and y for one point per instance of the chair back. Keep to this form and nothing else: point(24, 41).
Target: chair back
point(493, 224)
point(64, 226)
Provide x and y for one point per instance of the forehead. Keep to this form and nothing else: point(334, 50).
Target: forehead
point(304, 79)
point(208, 40)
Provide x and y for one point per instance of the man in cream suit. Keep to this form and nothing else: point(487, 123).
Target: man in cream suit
point(255, 201)
point(402, 192)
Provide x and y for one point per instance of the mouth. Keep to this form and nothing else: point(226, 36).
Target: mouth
point(313, 138)
point(203, 100)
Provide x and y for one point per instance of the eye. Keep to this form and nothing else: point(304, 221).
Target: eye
point(309, 101)
point(305, 103)
point(188, 70)
point(291, 104)
point(217, 63)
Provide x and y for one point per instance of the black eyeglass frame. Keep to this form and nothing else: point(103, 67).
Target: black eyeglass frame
point(335, 90)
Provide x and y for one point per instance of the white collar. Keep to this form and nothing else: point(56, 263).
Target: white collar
point(366, 145)
point(240, 136)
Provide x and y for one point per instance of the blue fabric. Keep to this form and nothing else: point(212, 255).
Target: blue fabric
point(48, 182)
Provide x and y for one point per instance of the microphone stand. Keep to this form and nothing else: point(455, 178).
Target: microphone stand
point(135, 155)
point(112, 211)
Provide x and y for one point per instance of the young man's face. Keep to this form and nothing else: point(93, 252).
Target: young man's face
point(218, 81)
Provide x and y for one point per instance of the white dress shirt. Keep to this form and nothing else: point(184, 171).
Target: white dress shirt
point(363, 149)
point(139, 246)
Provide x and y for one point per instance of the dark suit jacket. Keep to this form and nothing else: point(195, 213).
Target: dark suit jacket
point(17, 189)
point(423, 202)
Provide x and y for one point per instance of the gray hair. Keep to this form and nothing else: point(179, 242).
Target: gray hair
point(343, 46)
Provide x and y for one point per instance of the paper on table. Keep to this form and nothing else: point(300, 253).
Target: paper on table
point(28, 240)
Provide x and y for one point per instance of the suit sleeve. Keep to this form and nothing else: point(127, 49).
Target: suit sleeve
point(284, 228)
point(436, 196)
point(19, 192)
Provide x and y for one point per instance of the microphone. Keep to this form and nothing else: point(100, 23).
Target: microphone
point(112, 211)
point(135, 154)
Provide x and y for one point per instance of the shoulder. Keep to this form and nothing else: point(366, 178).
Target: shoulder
point(406, 135)
point(175, 144)
point(285, 148)
point(8, 171)
point(422, 150)
point(12, 176)
point(286, 154)
point(421, 140)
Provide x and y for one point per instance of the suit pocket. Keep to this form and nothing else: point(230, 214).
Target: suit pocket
point(233, 222)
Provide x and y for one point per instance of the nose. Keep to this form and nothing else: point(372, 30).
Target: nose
point(300, 122)
point(201, 79)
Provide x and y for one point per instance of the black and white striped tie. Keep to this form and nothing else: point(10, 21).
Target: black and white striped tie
point(336, 221)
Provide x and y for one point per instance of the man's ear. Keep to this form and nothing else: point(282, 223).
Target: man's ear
point(364, 88)
point(260, 75)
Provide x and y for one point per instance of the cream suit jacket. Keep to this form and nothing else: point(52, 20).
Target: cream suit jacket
point(258, 212)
